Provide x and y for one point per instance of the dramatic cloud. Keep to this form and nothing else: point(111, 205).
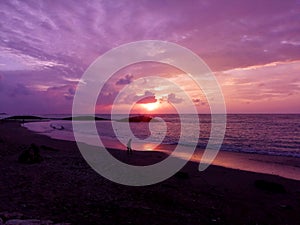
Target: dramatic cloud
point(49, 44)
point(198, 101)
point(173, 99)
point(147, 97)
point(279, 87)
point(123, 81)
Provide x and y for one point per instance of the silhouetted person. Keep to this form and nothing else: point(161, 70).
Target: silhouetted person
point(129, 149)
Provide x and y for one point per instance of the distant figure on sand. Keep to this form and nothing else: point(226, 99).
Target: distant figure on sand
point(129, 149)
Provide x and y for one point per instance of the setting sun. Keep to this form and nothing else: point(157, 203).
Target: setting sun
point(150, 106)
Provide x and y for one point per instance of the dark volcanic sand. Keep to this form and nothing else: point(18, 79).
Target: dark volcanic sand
point(63, 188)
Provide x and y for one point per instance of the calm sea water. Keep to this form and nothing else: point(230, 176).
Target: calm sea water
point(263, 134)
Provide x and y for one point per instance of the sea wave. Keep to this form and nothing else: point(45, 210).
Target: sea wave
point(259, 134)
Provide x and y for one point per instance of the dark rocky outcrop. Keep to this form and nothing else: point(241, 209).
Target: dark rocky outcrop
point(30, 155)
point(138, 119)
point(269, 186)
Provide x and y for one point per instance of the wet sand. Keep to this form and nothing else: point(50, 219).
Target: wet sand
point(64, 188)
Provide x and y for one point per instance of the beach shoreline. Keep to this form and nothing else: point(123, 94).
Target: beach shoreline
point(64, 188)
point(281, 165)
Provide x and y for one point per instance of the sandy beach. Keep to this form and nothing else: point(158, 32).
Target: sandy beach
point(63, 188)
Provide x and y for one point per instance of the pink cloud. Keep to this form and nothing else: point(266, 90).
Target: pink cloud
point(126, 80)
point(51, 43)
point(148, 99)
point(173, 99)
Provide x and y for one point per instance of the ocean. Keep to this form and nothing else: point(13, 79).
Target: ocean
point(269, 134)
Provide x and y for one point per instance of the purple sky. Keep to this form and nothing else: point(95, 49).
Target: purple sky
point(252, 46)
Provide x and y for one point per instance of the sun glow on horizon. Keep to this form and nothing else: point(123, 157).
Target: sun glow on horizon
point(151, 106)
